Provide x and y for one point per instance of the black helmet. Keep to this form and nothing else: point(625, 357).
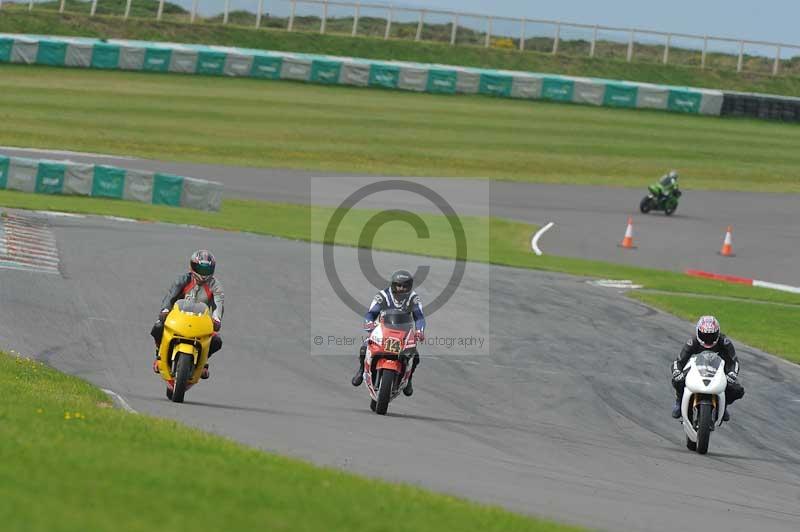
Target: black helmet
point(402, 283)
point(202, 265)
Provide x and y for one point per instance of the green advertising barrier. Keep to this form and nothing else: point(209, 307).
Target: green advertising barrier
point(387, 76)
point(558, 89)
point(5, 49)
point(51, 53)
point(266, 67)
point(167, 189)
point(105, 56)
point(618, 95)
point(157, 59)
point(325, 71)
point(50, 178)
point(108, 182)
point(4, 164)
point(684, 101)
point(210, 63)
point(495, 85)
point(442, 81)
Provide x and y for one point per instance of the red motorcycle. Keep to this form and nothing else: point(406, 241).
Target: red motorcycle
point(387, 367)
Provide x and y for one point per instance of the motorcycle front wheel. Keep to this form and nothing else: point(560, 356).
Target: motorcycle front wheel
point(704, 427)
point(646, 205)
point(385, 391)
point(183, 371)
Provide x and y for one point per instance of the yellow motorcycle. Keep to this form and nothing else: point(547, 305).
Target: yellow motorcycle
point(184, 347)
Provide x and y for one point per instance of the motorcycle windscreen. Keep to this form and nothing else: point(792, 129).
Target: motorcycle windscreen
point(395, 319)
point(707, 364)
point(192, 307)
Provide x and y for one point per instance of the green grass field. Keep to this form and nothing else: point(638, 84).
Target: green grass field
point(573, 60)
point(493, 240)
point(71, 462)
point(283, 124)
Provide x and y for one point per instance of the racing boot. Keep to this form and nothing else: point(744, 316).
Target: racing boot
point(727, 415)
point(358, 378)
point(676, 409)
point(205, 374)
point(408, 391)
point(155, 364)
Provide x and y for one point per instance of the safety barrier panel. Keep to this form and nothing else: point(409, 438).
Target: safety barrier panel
point(43, 176)
point(433, 78)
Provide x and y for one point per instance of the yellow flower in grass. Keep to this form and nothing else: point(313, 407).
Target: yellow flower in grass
point(39, 410)
point(67, 415)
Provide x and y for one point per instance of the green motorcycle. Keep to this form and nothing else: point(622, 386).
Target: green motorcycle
point(656, 200)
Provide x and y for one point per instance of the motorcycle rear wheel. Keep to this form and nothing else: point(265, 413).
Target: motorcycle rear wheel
point(385, 391)
point(704, 424)
point(669, 209)
point(183, 371)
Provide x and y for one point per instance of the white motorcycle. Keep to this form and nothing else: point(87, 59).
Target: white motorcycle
point(703, 403)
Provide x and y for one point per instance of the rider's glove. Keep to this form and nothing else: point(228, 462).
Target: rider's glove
point(369, 325)
point(420, 335)
point(677, 375)
point(163, 314)
point(732, 377)
point(217, 324)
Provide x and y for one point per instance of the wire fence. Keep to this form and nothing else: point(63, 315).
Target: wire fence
point(455, 28)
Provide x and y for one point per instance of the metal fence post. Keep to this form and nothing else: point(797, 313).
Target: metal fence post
point(127, 9)
point(61, 8)
point(227, 11)
point(194, 12)
point(556, 39)
point(355, 19)
point(94, 8)
point(666, 49)
point(418, 36)
point(705, 48)
point(291, 16)
point(453, 31)
point(522, 35)
point(594, 41)
point(488, 32)
point(388, 23)
point(160, 9)
point(777, 61)
point(30, 5)
point(324, 21)
point(741, 57)
point(630, 47)
point(260, 11)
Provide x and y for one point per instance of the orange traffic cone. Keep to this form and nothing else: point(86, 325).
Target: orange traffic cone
point(627, 241)
point(727, 245)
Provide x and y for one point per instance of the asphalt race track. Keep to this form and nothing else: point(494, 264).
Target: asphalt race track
point(590, 221)
point(568, 418)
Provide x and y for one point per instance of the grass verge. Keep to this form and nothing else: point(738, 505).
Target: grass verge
point(493, 240)
point(572, 60)
point(70, 462)
point(247, 122)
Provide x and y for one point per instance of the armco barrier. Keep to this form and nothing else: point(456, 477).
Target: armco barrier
point(65, 177)
point(446, 79)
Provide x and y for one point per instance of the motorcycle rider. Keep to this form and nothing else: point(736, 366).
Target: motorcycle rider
point(398, 295)
point(708, 338)
point(198, 284)
point(667, 185)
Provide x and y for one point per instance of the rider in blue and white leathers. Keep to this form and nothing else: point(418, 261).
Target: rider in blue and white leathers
point(399, 296)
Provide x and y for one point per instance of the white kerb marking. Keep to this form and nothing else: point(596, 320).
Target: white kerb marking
point(537, 236)
point(120, 401)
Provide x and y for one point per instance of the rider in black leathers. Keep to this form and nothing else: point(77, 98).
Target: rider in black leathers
point(708, 338)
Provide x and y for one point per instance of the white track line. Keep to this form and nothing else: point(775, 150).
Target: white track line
point(537, 236)
point(776, 286)
point(120, 401)
point(67, 152)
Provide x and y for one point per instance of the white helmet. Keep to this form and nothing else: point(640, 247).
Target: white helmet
point(708, 331)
